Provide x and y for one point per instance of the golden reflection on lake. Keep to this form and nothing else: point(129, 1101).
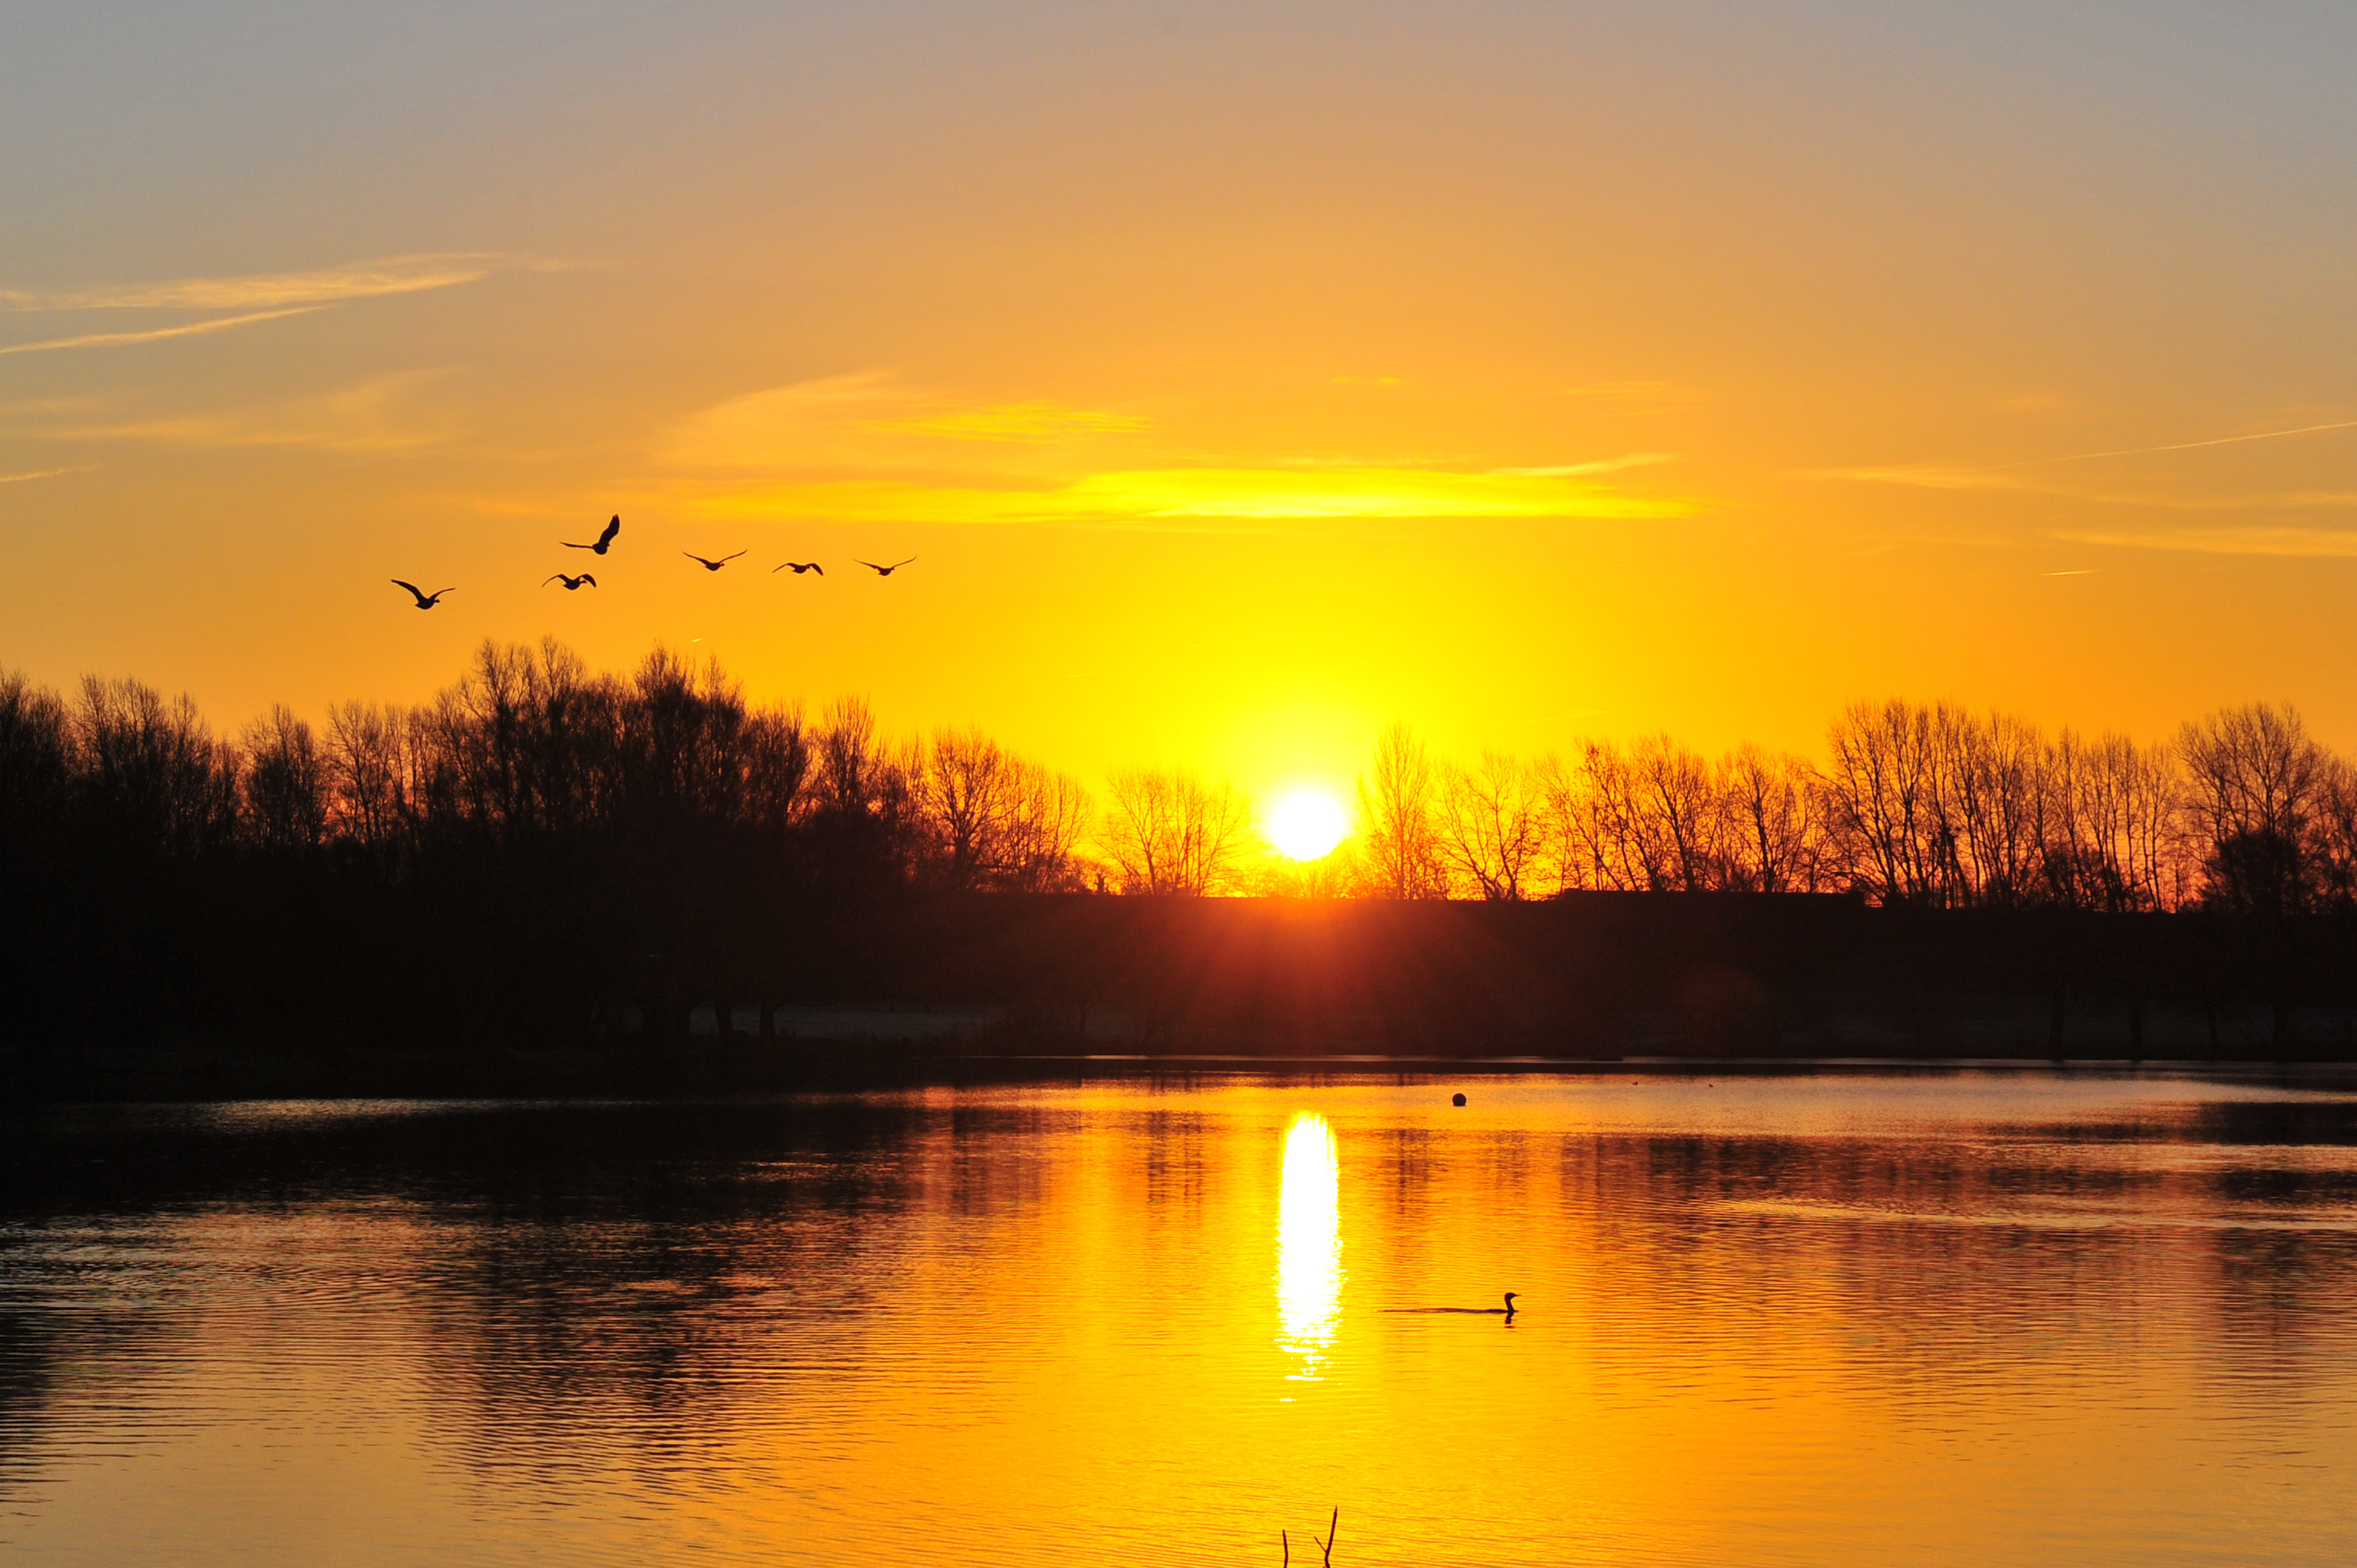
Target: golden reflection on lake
point(1308, 1243)
point(1940, 1320)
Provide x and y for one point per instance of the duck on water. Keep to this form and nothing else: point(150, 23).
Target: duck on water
point(1505, 1310)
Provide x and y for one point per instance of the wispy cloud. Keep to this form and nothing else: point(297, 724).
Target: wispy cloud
point(156, 335)
point(1634, 396)
point(2000, 476)
point(1596, 466)
point(374, 417)
point(1027, 422)
point(47, 474)
point(1929, 477)
point(863, 447)
point(255, 298)
point(1920, 475)
point(47, 405)
point(2309, 543)
point(869, 420)
point(2189, 445)
point(1149, 495)
point(264, 291)
point(2292, 500)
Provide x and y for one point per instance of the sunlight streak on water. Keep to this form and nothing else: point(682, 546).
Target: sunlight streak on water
point(1835, 1320)
point(1309, 1245)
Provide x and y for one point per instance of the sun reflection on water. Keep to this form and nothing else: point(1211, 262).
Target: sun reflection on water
point(1308, 1245)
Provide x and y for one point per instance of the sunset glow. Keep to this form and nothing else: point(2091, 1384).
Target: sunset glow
point(1220, 439)
point(734, 737)
point(1308, 1245)
point(1307, 823)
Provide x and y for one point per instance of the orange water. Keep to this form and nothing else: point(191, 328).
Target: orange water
point(1826, 1319)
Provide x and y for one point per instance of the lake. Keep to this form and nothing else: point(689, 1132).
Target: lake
point(1822, 1318)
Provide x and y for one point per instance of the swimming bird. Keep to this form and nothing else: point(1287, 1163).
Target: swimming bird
point(800, 567)
point(885, 571)
point(1505, 1310)
point(604, 539)
point(572, 582)
point(711, 565)
point(424, 601)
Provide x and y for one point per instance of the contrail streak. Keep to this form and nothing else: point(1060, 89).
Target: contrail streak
point(115, 339)
point(2185, 445)
point(361, 280)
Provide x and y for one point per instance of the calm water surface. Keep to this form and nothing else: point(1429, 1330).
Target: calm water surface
point(2035, 1318)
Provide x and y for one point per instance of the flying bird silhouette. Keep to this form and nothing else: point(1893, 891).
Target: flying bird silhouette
point(800, 567)
point(604, 540)
point(425, 601)
point(885, 571)
point(571, 583)
point(711, 565)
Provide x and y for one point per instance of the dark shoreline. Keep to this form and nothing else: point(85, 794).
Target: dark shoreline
point(202, 1074)
point(906, 989)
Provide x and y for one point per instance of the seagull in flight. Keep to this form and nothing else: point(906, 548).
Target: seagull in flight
point(885, 571)
point(571, 583)
point(604, 540)
point(425, 601)
point(800, 567)
point(711, 565)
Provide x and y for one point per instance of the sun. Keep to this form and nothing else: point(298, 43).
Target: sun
point(1306, 824)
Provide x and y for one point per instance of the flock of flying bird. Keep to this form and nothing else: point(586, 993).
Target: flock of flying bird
point(605, 541)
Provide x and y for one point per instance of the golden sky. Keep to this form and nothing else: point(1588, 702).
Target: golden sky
point(1241, 377)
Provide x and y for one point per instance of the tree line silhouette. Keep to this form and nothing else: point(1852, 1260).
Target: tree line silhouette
point(1918, 804)
point(531, 750)
point(531, 753)
point(543, 855)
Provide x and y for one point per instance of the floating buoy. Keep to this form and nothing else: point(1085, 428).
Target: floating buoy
point(1456, 1100)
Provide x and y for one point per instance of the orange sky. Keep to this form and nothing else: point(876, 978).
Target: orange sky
point(1241, 377)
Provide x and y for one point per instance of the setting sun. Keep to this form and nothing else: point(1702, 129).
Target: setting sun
point(1306, 824)
point(947, 643)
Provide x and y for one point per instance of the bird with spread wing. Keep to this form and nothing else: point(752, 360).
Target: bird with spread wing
point(604, 540)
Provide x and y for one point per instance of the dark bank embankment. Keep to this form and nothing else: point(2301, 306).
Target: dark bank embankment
point(385, 994)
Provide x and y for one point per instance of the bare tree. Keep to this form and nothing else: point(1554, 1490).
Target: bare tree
point(285, 783)
point(1990, 800)
point(2254, 778)
point(1677, 799)
point(1773, 836)
point(151, 771)
point(2109, 844)
point(852, 759)
point(1052, 815)
point(368, 774)
point(36, 758)
point(1492, 826)
point(1883, 788)
point(1398, 842)
point(777, 768)
point(1594, 822)
point(1170, 833)
point(2333, 836)
point(968, 787)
